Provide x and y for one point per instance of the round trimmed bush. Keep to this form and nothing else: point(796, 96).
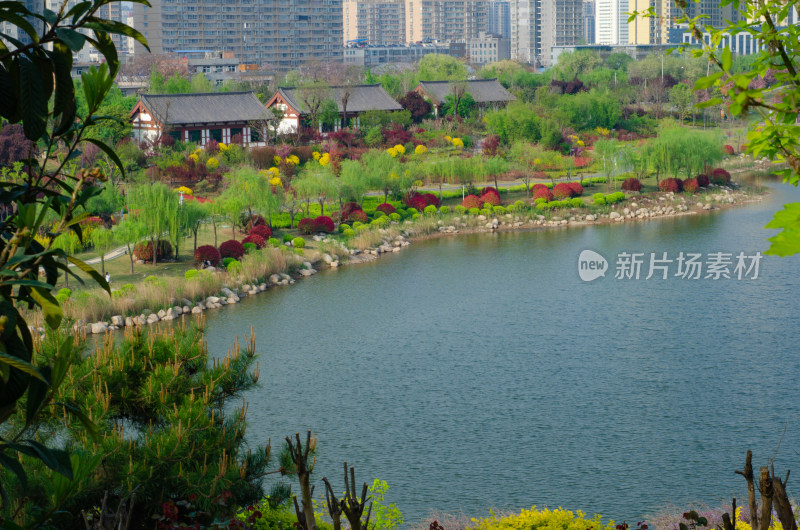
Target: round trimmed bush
point(386, 208)
point(233, 266)
point(720, 177)
point(417, 202)
point(491, 197)
point(632, 184)
point(498, 210)
point(489, 189)
point(702, 181)
point(519, 204)
point(577, 188)
point(227, 261)
point(431, 199)
point(394, 216)
point(613, 198)
point(538, 186)
point(254, 239)
point(728, 150)
point(191, 273)
point(543, 193)
point(690, 185)
point(207, 252)
point(460, 210)
point(486, 211)
point(377, 214)
point(411, 211)
point(274, 242)
point(261, 230)
point(231, 249)
point(429, 210)
point(357, 224)
point(343, 227)
point(348, 232)
point(415, 216)
point(444, 209)
point(670, 185)
point(474, 211)
point(144, 251)
point(563, 190)
point(251, 222)
point(576, 202)
point(298, 242)
point(540, 200)
point(402, 212)
point(323, 223)
point(358, 215)
point(599, 199)
point(287, 237)
point(347, 209)
point(306, 225)
point(249, 247)
point(471, 201)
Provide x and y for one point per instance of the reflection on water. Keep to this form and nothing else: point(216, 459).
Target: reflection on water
point(480, 371)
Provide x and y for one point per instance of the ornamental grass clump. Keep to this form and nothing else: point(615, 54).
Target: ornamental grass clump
point(323, 223)
point(207, 253)
point(231, 249)
point(632, 184)
point(562, 190)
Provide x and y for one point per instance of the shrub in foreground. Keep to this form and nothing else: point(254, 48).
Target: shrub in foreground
point(690, 185)
point(563, 190)
point(256, 240)
point(491, 197)
point(386, 208)
point(720, 177)
point(559, 519)
point(671, 185)
point(261, 230)
point(417, 202)
point(231, 249)
point(207, 252)
point(577, 187)
point(306, 225)
point(298, 242)
point(543, 193)
point(632, 184)
point(702, 181)
point(358, 215)
point(471, 201)
point(323, 223)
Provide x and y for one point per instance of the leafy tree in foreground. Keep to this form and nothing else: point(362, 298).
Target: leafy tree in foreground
point(36, 90)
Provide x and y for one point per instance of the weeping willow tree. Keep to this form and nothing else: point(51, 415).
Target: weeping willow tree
point(250, 193)
point(156, 207)
point(69, 243)
point(385, 173)
point(353, 181)
point(315, 183)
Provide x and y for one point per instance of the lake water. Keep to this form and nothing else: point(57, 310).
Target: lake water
point(480, 372)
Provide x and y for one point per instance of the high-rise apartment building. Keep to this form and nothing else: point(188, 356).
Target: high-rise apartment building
point(282, 34)
point(374, 21)
point(538, 25)
point(444, 20)
point(498, 18)
point(651, 30)
point(611, 21)
point(588, 22)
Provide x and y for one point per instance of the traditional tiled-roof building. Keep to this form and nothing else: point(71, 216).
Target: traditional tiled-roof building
point(487, 93)
point(360, 98)
point(199, 118)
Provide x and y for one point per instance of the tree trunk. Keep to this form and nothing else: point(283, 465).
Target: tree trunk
point(155, 250)
point(102, 263)
point(130, 255)
point(195, 230)
point(214, 224)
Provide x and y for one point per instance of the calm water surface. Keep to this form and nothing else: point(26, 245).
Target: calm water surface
point(480, 372)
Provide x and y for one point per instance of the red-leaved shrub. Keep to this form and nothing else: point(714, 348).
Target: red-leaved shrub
point(577, 187)
point(690, 185)
point(488, 189)
point(207, 252)
point(471, 201)
point(430, 199)
point(720, 177)
point(253, 221)
point(358, 215)
point(729, 150)
point(347, 209)
point(631, 184)
point(539, 186)
point(144, 251)
point(231, 249)
point(543, 193)
point(562, 190)
point(702, 181)
point(323, 223)
point(257, 240)
point(306, 225)
point(671, 184)
point(416, 201)
point(386, 208)
point(261, 230)
point(491, 197)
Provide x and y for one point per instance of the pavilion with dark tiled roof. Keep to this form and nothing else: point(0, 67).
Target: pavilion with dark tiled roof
point(487, 93)
point(221, 116)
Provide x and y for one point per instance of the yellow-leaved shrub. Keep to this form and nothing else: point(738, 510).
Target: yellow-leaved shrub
point(546, 519)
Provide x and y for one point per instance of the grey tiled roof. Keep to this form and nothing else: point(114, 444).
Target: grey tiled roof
point(362, 98)
point(481, 90)
point(212, 107)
